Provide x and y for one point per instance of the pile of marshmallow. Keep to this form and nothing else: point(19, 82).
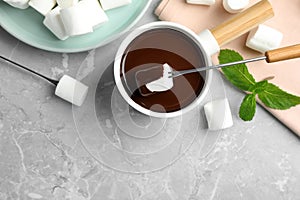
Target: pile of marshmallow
point(262, 38)
point(67, 18)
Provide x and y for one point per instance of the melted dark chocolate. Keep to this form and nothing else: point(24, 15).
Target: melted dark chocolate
point(159, 46)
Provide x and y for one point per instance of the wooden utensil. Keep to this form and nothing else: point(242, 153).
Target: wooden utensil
point(276, 55)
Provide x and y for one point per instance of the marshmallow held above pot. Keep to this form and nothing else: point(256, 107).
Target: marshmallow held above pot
point(208, 40)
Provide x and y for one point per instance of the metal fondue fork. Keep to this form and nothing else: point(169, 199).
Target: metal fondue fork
point(275, 55)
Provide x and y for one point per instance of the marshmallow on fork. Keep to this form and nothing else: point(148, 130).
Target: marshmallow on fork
point(201, 2)
point(235, 6)
point(218, 114)
point(42, 6)
point(110, 4)
point(67, 87)
point(264, 38)
point(71, 90)
point(162, 84)
point(54, 23)
point(21, 4)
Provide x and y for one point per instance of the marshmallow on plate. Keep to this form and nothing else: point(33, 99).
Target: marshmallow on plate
point(22, 4)
point(54, 23)
point(201, 2)
point(71, 90)
point(95, 14)
point(66, 3)
point(162, 84)
point(235, 6)
point(264, 38)
point(75, 20)
point(218, 114)
point(110, 4)
point(42, 6)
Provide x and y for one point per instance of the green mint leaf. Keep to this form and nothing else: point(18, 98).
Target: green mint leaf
point(259, 87)
point(238, 75)
point(248, 107)
point(273, 97)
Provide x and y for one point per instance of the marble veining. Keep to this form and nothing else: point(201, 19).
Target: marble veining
point(42, 156)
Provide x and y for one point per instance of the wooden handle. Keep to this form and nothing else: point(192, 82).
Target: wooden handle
point(284, 53)
point(243, 22)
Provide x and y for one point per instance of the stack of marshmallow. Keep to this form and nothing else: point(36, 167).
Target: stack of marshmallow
point(261, 39)
point(65, 18)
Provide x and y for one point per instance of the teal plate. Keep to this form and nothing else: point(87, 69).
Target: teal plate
point(27, 26)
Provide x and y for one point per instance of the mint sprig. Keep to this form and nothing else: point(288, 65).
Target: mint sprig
point(238, 75)
point(248, 107)
point(271, 95)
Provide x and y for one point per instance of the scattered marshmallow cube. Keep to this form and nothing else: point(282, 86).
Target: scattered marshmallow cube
point(76, 20)
point(218, 114)
point(235, 6)
point(96, 14)
point(42, 6)
point(110, 4)
point(264, 38)
point(21, 4)
point(201, 2)
point(162, 84)
point(66, 3)
point(71, 90)
point(54, 23)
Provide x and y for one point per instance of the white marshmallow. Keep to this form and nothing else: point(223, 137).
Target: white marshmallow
point(164, 83)
point(110, 4)
point(76, 20)
point(208, 42)
point(42, 6)
point(235, 6)
point(264, 38)
point(71, 90)
point(54, 23)
point(66, 3)
point(21, 4)
point(201, 2)
point(218, 114)
point(95, 14)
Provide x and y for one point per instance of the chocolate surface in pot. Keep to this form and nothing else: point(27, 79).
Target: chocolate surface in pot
point(159, 46)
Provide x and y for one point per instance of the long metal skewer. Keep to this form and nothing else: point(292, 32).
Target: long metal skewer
point(54, 82)
point(174, 74)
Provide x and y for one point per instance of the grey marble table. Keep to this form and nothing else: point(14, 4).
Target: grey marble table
point(46, 149)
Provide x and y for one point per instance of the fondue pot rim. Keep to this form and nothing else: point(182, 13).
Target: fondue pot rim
point(160, 25)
